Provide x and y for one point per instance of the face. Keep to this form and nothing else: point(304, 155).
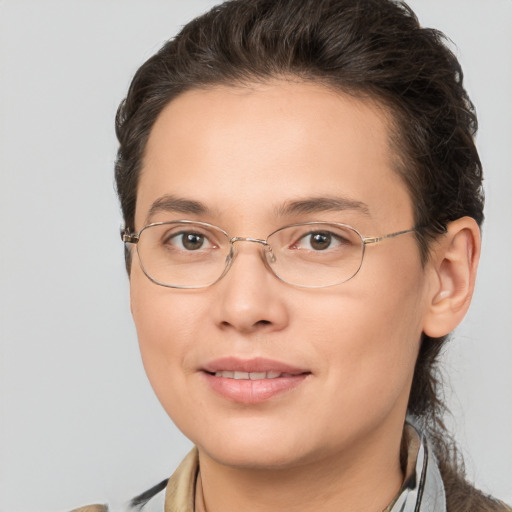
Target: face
point(343, 355)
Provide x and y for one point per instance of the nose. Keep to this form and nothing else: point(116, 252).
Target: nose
point(249, 297)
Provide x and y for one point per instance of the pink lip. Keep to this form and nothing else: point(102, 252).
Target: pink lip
point(258, 364)
point(252, 391)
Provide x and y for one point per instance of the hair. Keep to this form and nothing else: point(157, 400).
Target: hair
point(372, 49)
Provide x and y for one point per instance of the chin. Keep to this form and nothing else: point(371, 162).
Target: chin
point(253, 456)
point(258, 448)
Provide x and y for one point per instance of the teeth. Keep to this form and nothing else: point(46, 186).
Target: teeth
point(257, 375)
point(229, 375)
point(248, 375)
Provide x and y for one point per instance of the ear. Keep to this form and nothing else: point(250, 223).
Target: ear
point(453, 264)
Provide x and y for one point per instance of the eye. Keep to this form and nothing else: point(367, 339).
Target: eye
point(320, 241)
point(189, 241)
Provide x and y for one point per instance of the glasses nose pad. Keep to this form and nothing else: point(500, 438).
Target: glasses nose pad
point(227, 262)
point(271, 257)
point(229, 257)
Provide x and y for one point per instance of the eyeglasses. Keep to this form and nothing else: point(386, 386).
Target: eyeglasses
point(190, 254)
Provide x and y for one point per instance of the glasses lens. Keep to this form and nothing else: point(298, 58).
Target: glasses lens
point(315, 254)
point(183, 254)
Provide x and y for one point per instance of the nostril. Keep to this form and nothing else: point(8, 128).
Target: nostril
point(259, 323)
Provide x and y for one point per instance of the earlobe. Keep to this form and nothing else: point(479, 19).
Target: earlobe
point(453, 263)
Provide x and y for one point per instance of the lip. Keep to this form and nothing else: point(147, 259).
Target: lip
point(252, 391)
point(258, 364)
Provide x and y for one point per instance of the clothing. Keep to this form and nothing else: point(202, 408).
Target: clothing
point(421, 491)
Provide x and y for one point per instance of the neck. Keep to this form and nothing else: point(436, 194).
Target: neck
point(362, 479)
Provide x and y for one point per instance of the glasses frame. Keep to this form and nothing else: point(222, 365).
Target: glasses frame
point(134, 238)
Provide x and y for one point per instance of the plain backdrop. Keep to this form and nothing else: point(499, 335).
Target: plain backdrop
point(78, 420)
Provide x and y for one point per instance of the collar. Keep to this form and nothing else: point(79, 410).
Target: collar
point(421, 491)
point(423, 488)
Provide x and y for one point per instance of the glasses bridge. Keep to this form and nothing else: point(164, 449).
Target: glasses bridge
point(249, 239)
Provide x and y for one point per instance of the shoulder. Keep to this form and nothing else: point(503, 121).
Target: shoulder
point(91, 508)
point(151, 500)
point(175, 493)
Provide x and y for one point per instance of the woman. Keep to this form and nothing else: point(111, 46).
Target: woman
point(302, 200)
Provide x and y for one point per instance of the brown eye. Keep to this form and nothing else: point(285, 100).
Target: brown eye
point(187, 241)
point(192, 241)
point(320, 241)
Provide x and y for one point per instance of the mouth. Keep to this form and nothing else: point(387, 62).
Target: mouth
point(237, 375)
point(252, 381)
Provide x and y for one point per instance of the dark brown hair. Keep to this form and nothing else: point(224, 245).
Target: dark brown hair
point(368, 48)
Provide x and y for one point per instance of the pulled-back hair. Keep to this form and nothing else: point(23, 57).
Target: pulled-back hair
point(367, 48)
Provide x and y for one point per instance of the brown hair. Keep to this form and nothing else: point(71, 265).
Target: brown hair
point(372, 48)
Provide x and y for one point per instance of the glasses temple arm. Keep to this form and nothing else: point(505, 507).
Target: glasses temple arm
point(375, 239)
point(129, 238)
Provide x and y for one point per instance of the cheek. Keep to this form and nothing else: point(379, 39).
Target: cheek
point(369, 335)
point(165, 326)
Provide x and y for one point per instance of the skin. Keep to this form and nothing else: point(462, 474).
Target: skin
point(332, 442)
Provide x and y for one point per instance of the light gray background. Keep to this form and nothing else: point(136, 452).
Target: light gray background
point(78, 421)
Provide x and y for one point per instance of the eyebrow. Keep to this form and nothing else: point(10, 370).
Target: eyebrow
point(321, 204)
point(174, 204)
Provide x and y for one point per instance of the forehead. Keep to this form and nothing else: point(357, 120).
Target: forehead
point(255, 148)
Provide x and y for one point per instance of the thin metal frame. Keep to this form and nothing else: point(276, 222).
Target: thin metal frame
point(133, 238)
